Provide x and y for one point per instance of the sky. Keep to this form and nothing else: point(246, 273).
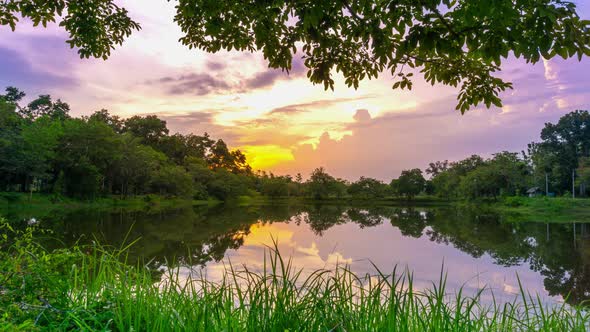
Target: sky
point(281, 121)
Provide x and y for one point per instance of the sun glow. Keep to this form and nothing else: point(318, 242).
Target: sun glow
point(263, 157)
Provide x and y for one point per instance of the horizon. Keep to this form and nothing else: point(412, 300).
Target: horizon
point(233, 96)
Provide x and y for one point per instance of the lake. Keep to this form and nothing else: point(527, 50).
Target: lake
point(476, 247)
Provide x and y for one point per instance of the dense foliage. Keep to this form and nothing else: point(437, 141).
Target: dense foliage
point(43, 148)
point(458, 43)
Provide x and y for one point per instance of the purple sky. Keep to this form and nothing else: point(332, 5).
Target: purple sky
point(284, 123)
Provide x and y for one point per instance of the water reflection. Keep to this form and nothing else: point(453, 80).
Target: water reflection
point(477, 247)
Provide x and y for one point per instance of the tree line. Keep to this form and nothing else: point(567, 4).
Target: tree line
point(557, 165)
point(44, 149)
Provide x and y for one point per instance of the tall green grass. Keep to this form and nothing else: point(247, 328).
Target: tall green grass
point(95, 289)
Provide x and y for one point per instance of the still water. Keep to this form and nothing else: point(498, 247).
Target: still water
point(475, 247)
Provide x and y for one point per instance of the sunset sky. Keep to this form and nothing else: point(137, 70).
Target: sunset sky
point(282, 122)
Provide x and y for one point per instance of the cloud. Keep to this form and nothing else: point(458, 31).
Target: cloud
point(314, 105)
point(191, 84)
point(383, 146)
point(253, 123)
point(215, 65)
point(287, 110)
point(263, 80)
point(269, 77)
point(362, 116)
point(17, 70)
point(216, 78)
point(550, 73)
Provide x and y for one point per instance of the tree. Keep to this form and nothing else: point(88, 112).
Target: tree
point(41, 139)
point(275, 186)
point(220, 156)
point(298, 178)
point(437, 167)
point(368, 188)
point(583, 175)
point(446, 182)
point(174, 147)
point(322, 185)
point(457, 43)
point(562, 145)
point(45, 106)
point(511, 174)
point(11, 142)
point(13, 95)
point(480, 182)
point(94, 26)
point(11, 159)
point(410, 183)
point(198, 146)
point(474, 177)
point(202, 175)
point(136, 166)
point(41, 147)
point(113, 121)
point(149, 128)
point(172, 180)
point(87, 153)
point(227, 185)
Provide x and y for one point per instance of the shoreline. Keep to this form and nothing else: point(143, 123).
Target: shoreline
point(513, 209)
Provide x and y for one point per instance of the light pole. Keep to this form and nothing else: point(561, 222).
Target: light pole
point(573, 183)
point(546, 184)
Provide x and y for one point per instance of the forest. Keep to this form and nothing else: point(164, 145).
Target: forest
point(44, 149)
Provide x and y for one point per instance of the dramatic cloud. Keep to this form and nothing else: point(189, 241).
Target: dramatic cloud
point(362, 116)
point(287, 110)
point(192, 84)
point(314, 105)
point(217, 79)
point(383, 146)
point(269, 77)
point(215, 65)
point(16, 70)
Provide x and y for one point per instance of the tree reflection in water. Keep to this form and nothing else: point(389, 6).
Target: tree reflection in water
point(197, 235)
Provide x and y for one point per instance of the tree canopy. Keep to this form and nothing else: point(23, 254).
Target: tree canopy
point(410, 183)
point(460, 43)
point(94, 26)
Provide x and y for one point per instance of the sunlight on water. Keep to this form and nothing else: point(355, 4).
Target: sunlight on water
point(386, 247)
point(478, 249)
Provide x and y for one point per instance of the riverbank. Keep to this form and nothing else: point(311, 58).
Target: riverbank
point(41, 202)
point(348, 201)
point(512, 209)
point(92, 288)
point(545, 209)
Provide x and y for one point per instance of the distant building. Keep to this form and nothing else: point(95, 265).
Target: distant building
point(534, 192)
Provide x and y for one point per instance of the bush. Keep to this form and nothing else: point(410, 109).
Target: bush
point(10, 197)
point(514, 201)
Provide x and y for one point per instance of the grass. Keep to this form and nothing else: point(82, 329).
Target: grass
point(42, 202)
point(95, 289)
point(545, 209)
